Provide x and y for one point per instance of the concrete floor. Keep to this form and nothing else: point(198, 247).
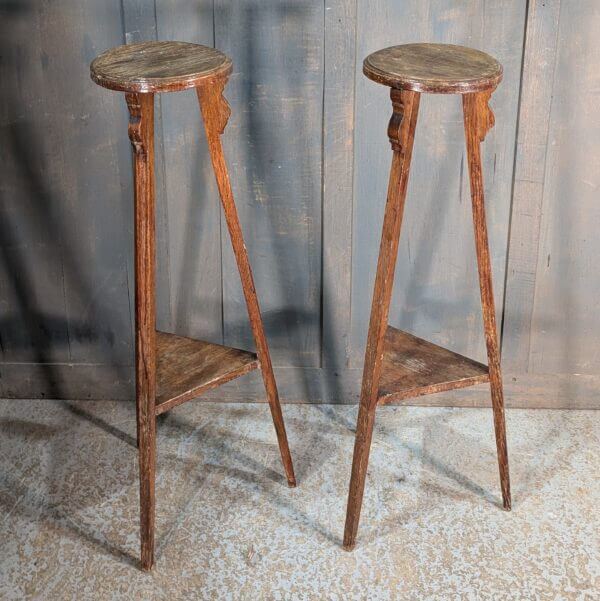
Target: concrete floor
point(228, 527)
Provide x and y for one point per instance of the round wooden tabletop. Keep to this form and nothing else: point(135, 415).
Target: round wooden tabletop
point(433, 68)
point(158, 66)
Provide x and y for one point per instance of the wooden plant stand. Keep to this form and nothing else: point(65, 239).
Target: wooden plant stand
point(173, 369)
point(398, 365)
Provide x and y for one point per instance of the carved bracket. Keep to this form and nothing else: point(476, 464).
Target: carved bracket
point(395, 125)
point(215, 108)
point(135, 123)
point(485, 119)
point(224, 109)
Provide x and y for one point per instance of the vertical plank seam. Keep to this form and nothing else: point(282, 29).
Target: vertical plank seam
point(163, 197)
point(543, 186)
point(514, 175)
point(64, 289)
point(335, 336)
point(530, 15)
point(122, 14)
point(322, 282)
point(214, 24)
point(353, 185)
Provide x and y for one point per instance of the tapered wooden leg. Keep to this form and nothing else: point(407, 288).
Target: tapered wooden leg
point(141, 134)
point(478, 120)
point(215, 113)
point(401, 132)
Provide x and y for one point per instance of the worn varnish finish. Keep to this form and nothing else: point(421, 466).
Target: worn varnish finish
point(401, 131)
point(158, 66)
point(141, 135)
point(413, 367)
point(172, 369)
point(433, 68)
point(186, 368)
point(478, 120)
point(413, 68)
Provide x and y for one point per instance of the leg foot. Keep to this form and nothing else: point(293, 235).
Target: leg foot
point(360, 461)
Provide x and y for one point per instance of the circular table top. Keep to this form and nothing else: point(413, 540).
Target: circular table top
point(433, 68)
point(157, 66)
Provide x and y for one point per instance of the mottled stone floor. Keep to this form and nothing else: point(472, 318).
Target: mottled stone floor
point(228, 527)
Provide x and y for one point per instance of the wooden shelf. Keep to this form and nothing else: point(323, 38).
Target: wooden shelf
point(414, 367)
point(185, 368)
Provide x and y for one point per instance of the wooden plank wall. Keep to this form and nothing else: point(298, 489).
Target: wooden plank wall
point(65, 217)
point(553, 290)
point(309, 159)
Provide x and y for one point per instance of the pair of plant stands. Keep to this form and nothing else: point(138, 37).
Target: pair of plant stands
point(171, 370)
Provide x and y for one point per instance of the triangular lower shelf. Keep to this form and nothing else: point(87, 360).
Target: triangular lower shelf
point(185, 368)
point(414, 367)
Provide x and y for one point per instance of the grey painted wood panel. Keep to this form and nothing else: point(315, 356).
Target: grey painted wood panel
point(338, 176)
point(309, 161)
point(273, 145)
point(566, 317)
point(64, 222)
point(539, 63)
point(436, 291)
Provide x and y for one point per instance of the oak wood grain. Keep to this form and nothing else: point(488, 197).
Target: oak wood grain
point(478, 118)
point(414, 367)
point(186, 368)
point(158, 66)
point(141, 136)
point(433, 68)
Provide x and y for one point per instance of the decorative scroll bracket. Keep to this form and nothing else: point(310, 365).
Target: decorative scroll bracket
point(405, 105)
point(214, 105)
point(135, 124)
point(395, 125)
point(485, 119)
